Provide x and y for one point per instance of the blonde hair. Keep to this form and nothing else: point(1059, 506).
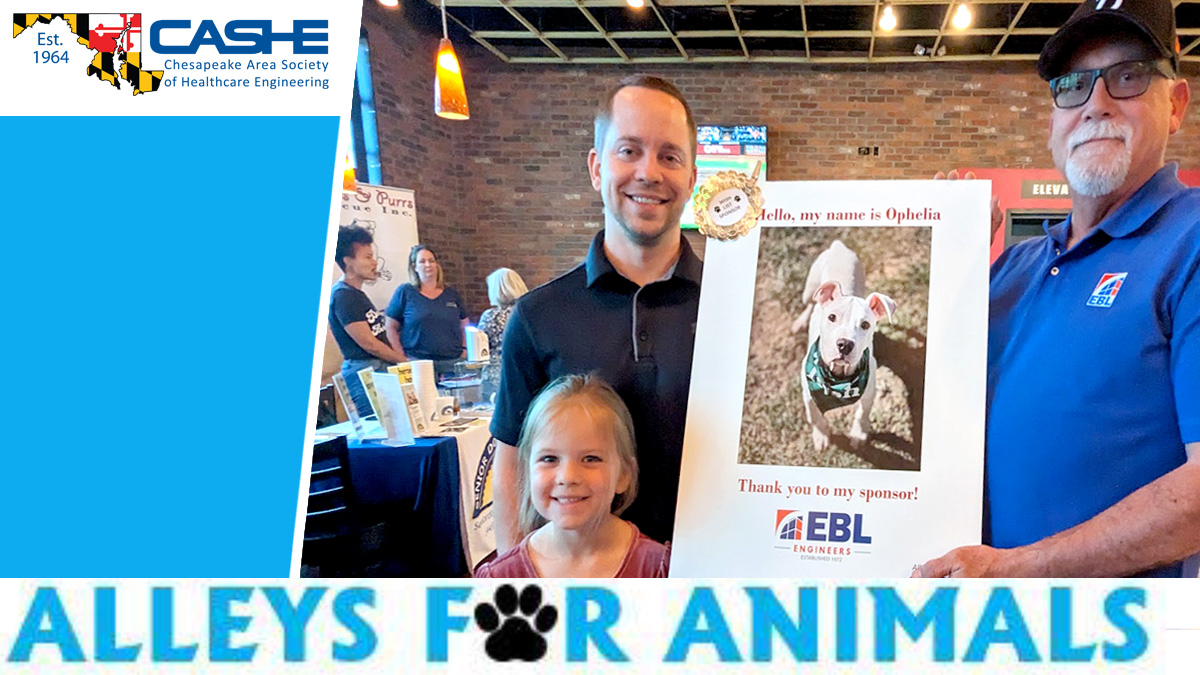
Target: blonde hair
point(504, 287)
point(550, 404)
point(413, 277)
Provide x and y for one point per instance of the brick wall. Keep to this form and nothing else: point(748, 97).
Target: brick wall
point(511, 185)
point(417, 149)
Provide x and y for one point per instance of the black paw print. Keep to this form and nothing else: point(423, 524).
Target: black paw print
point(515, 638)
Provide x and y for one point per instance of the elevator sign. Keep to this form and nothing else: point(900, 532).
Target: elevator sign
point(1045, 189)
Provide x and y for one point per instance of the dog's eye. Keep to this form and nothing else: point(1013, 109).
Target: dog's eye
point(833, 317)
point(866, 325)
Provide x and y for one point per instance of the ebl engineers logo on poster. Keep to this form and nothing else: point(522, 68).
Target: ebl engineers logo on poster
point(826, 536)
point(244, 51)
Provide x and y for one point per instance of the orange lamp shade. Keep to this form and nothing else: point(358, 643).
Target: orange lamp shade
point(349, 184)
point(449, 94)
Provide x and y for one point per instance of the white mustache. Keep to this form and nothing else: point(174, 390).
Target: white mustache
point(1098, 130)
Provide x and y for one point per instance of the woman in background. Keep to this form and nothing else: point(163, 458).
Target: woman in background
point(504, 287)
point(426, 318)
point(357, 326)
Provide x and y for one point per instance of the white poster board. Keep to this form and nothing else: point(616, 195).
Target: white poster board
point(759, 495)
point(390, 214)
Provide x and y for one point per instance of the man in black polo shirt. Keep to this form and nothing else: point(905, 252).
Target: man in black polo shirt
point(628, 312)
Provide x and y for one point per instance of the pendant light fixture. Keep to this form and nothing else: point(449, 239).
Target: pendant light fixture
point(887, 22)
point(449, 94)
point(349, 182)
point(962, 17)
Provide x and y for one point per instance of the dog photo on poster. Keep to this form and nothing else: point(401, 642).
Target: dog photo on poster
point(836, 413)
point(840, 321)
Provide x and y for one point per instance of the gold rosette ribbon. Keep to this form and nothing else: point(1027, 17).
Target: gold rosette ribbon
point(727, 206)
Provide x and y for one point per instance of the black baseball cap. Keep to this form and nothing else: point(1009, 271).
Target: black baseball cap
point(1152, 19)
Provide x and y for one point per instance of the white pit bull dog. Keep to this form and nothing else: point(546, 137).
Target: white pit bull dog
point(839, 368)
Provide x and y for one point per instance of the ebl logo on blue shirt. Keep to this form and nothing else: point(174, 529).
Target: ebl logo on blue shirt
point(1106, 291)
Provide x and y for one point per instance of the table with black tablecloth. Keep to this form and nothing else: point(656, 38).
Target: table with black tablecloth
point(416, 486)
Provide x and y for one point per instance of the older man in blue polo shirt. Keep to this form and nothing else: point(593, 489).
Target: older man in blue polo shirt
point(1093, 438)
point(628, 312)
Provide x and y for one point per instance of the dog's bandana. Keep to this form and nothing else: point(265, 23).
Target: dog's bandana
point(830, 391)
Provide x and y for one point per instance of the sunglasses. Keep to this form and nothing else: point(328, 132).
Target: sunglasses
point(1128, 79)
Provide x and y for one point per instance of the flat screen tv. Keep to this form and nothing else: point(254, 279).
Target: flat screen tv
point(726, 148)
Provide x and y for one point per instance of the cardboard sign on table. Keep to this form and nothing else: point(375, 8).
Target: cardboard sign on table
point(476, 449)
point(393, 409)
point(759, 495)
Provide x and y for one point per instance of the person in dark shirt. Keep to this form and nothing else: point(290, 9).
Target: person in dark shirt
point(426, 317)
point(358, 328)
point(628, 313)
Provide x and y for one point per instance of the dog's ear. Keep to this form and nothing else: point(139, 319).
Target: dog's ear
point(830, 290)
point(881, 305)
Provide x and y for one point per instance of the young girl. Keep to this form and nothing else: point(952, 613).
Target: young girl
point(578, 473)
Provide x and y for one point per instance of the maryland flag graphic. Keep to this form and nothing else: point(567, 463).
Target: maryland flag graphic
point(115, 38)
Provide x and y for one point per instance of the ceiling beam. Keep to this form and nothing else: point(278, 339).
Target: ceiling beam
point(507, 4)
point(738, 29)
point(678, 45)
point(595, 30)
point(600, 29)
point(773, 59)
point(1011, 26)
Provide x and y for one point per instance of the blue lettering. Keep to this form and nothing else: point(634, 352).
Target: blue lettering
point(1061, 648)
point(769, 616)
point(46, 606)
point(207, 34)
point(581, 630)
point(364, 636)
point(299, 37)
point(859, 537)
point(260, 36)
point(1116, 608)
point(294, 618)
point(816, 526)
point(847, 624)
point(890, 609)
point(703, 605)
point(223, 624)
point(439, 623)
point(162, 621)
point(1001, 605)
point(156, 39)
point(106, 629)
point(254, 35)
point(839, 527)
